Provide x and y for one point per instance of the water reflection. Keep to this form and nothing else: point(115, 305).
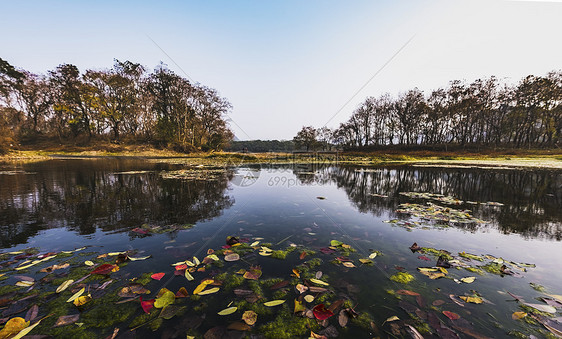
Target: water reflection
point(533, 199)
point(87, 195)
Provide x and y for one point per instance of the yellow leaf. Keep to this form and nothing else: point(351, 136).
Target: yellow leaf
point(214, 257)
point(265, 254)
point(25, 331)
point(345, 246)
point(81, 300)
point(468, 280)
point(209, 291)
point(443, 270)
point(373, 255)
point(255, 243)
point(24, 283)
point(309, 298)
point(299, 306)
point(76, 295)
point(518, 315)
point(366, 261)
point(64, 285)
point(297, 272)
point(195, 261)
point(348, 264)
point(112, 254)
point(228, 311)
point(474, 300)
point(266, 249)
point(319, 282)
point(89, 263)
point(393, 318)
point(250, 317)
point(188, 275)
point(13, 326)
point(139, 258)
point(273, 303)
point(202, 285)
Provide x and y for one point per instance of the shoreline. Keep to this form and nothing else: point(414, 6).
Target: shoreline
point(495, 161)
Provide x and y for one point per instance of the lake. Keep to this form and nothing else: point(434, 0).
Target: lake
point(343, 234)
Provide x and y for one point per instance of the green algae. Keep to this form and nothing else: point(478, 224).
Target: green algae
point(475, 270)
point(286, 325)
point(437, 253)
point(108, 315)
point(363, 320)
point(402, 277)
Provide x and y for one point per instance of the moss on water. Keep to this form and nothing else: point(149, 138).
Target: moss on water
point(286, 325)
point(108, 315)
point(475, 270)
point(363, 320)
point(402, 277)
point(437, 253)
point(155, 325)
point(231, 281)
point(144, 278)
point(493, 268)
point(71, 332)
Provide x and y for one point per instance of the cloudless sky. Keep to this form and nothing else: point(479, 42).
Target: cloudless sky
point(284, 64)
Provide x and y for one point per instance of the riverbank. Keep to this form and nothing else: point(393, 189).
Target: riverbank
point(490, 159)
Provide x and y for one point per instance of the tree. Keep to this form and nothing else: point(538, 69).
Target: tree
point(306, 137)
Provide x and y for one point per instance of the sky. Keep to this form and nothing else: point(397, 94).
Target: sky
point(284, 64)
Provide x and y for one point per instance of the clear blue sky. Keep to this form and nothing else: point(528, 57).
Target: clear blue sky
point(285, 64)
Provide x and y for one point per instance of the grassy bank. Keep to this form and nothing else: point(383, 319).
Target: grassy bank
point(488, 158)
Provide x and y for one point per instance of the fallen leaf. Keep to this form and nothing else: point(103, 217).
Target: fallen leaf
point(209, 291)
point(301, 288)
point(373, 255)
point(64, 286)
point(32, 313)
point(309, 298)
point(13, 326)
point(279, 285)
point(348, 264)
point(89, 263)
point(438, 302)
point(228, 310)
point(365, 261)
point(518, 315)
point(188, 276)
point(319, 282)
point(66, 320)
point(165, 299)
point(26, 330)
point(255, 243)
point(182, 293)
point(299, 306)
point(147, 305)
point(542, 308)
point(343, 318)
point(406, 292)
point(232, 257)
point(474, 300)
point(468, 280)
point(451, 315)
point(297, 273)
point(321, 312)
point(238, 326)
point(273, 303)
point(250, 317)
point(303, 255)
point(24, 283)
point(105, 269)
point(81, 300)
point(76, 295)
point(253, 273)
point(202, 285)
point(158, 276)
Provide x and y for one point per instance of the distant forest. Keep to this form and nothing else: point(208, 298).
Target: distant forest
point(484, 113)
point(261, 146)
point(124, 103)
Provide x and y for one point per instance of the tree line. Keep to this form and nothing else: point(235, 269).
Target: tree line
point(124, 103)
point(483, 113)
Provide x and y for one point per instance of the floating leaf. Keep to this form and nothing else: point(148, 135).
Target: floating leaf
point(32, 313)
point(105, 269)
point(64, 285)
point(299, 306)
point(474, 300)
point(13, 326)
point(406, 292)
point(373, 255)
point(213, 257)
point(250, 317)
point(89, 263)
point(273, 303)
point(319, 282)
point(167, 298)
point(24, 283)
point(348, 264)
point(26, 330)
point(66, 320)
point(195, 261)
point(393, 318)
point(238, 326)
point(365, 261)
point(182, 293)
point(336, 243)
point(202, 285)
point(321, 312)
point(232, 257)
point(468, 280)
point(228, 310)
point(147, 305)
point(139, 258)
point(255, 243)
point(188, 276)
point(253, 273)
point(76, 295)
point(209, 291)
point(296, 272)
point(451, 315)
point(301, 288)
point(81, 300)
point(158, 276)
point(518, 315)
point(279, 285)
point(309, 298)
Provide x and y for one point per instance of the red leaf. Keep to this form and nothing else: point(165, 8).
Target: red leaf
point(406, 292)
point(181, 267)
point(279, 285)
point(321, 312)
point(451, 315)
point(303, 254)
point(140, 230)
point(147, 305)
point(327, 250)
point(104, 269)
point(158, 276)
point(423, 257)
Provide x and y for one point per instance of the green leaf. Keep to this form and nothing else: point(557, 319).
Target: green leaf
point(273, 303)
point(336, 243)
point(165, 299)
point(319, 282)
point(228, 310)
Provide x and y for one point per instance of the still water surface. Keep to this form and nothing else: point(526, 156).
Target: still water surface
point(64, 204)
